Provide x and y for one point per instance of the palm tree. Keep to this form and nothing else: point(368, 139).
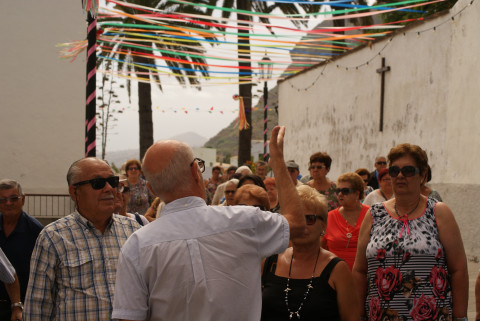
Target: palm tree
point(132, 58)
point(245, 89)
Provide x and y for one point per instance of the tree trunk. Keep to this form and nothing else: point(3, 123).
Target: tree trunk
point(144, 110)
point(245, 91)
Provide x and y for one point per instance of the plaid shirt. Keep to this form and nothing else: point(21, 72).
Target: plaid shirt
point(73, 269)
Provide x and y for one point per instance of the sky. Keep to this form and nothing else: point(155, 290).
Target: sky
point(178, 109)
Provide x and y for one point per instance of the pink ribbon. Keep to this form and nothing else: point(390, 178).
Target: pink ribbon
point(405, 222)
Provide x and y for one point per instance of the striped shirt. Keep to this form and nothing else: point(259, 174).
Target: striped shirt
point(73, 269)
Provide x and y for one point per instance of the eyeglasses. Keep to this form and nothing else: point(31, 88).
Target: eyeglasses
point(133, 169)
point(344, 191)
point(99, 183)
point(263, 208)
point(123, 188)
point(312, 219)
point(317, 166)
point(407, 171)
point(12, 199)
point(229, 192)
point(381, 163)
point(200, 162)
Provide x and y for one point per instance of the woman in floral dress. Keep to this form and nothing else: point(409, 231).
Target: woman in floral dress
point(140, 195)
point(411, 264)
point(319, 167)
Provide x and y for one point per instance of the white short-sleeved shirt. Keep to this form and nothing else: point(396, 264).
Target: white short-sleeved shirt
point(7, 272)
point(197, 262)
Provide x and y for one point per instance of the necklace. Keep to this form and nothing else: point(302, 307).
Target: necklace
point(309, 286)
point(383, 195)
point(348, 234)
point(405, 217)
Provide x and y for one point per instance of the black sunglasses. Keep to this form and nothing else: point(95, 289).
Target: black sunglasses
point(99, 183)
point(200, 162)
point(381, 163)
point(344, 191)
point(407, 171)
point(312, 218)
point(123, 189)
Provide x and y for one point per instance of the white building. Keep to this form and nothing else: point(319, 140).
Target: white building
point(431, 99)
point(43, 97)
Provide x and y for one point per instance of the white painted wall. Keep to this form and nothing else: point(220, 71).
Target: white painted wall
point(431, 99)
point(42, 96)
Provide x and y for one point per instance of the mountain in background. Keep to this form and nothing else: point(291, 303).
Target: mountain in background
point(226, 141)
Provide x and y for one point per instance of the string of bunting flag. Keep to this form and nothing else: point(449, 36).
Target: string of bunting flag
point(377, 54)
point(154, 29)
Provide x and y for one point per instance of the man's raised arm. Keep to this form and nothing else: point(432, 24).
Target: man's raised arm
point(290, 204)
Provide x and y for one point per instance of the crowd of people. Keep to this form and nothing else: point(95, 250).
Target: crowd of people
point(251, 243)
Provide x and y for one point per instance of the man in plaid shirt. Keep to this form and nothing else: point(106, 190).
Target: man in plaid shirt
point(74, 262)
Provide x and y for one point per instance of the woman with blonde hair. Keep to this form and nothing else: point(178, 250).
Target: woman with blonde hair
point(307, 282)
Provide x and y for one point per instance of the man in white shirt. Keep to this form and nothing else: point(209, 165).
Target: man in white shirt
point(10, 280)
point(199, 262)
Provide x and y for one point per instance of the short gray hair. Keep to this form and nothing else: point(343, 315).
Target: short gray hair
point(9, 184)
point(74, 171)
point(174, 176)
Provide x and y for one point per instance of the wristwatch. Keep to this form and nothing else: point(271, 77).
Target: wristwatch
point(17, 305)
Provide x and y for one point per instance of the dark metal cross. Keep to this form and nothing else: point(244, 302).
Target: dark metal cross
point(382, 71)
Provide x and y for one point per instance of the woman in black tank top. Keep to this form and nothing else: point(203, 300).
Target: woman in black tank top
point(307, 282)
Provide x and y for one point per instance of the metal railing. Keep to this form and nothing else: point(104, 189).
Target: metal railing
point(48, 205)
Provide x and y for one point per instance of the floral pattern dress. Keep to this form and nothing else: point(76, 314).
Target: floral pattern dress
point(140, 197)
point(407, 272)
point(332, 196)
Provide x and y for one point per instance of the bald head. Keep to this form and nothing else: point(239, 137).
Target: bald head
point(160, 154)
point(166, 166)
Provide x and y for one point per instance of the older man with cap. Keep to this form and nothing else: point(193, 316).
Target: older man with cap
point(75, 259)
point(199, 262)
point(294, 171)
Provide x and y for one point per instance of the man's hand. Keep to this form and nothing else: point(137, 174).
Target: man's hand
point(17, 314)
point(276, 144)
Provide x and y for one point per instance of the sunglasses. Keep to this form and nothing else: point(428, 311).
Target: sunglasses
point(123, 189)
point(312, 219)
point(200, 162)
point(381, 163)
point(99, 183)
point(317, 166)
point(12, 199)
point(133, 169)
point(407, 171)
point(344, 191)
point(263, 208)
